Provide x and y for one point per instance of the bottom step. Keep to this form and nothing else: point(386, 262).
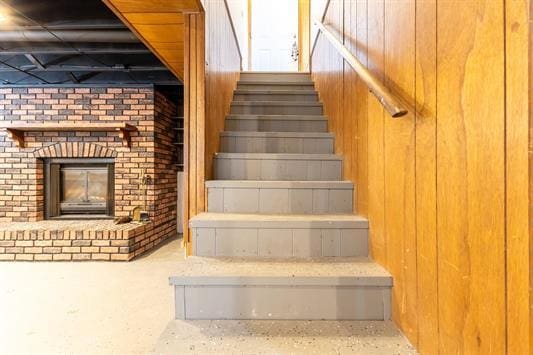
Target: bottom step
point(310, 289)
point(282, 337)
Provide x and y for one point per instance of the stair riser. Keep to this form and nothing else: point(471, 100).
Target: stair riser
point(285, 302)
point(288, 125)
point(276, 97)
point(280, 200)
point(276, 77)
point(279, 242)
point(277, 169)
point(233, 144)
point(251, 86)
point(276, 110)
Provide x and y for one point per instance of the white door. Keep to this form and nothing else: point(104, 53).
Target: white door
point(274, 35)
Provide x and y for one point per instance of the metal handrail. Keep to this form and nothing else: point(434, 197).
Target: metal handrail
point(384, 96)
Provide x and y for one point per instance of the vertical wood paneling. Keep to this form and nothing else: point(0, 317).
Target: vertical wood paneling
point(517, 224)
point(333, 79)
point(530, 171)
point(376, 116)
point(361, 139)
point(186, 129)
point(470, 175)
point(212, 68)
point(200, 113)
point(447, 184)
point(194, 119)
point(399, 206)
point(304, 33)
point(426, 179)
point(222, 72)
point(350, 107)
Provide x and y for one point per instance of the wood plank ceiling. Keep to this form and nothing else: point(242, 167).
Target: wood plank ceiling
point(160, 25)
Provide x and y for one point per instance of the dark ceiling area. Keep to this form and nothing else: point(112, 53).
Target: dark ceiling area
point(54, 42)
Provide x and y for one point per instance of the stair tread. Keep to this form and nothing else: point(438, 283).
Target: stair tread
point(276, 91)
point(303, 184)
point(277, 217)
point(276, 82)
point(278, 134)
point(276, 117)
point(275, 72)
point(278, 221)
point(277, 103)
point(262, 271)
point(279, 156)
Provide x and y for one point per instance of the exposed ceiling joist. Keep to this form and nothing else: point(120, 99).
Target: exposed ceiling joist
point(81, 43)
point(84, 36)
point(73, 78)
point(79, 50)
point(74, 68)
point(35, 61)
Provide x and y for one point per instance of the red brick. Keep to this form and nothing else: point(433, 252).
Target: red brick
point(100, 256)
point(42, 257)
point(121, 257)
point(90, 249)
point(64, 257)
point(101, 243)
point(70, 250)
point(81, 256)
point(24, 257)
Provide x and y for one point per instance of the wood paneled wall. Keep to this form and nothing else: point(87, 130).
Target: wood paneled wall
point(445, 188)
point(159, 24)
point(304, 33)
point(530, 84)
point(223, 66)
point(212, 68)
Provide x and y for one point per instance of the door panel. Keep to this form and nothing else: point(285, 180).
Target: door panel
point(274, 33)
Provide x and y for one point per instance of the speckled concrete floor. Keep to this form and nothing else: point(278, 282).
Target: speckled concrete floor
point(282, 337)
point(87, 307)
point(127, 308)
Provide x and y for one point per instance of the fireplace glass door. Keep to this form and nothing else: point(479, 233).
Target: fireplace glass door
point(83, 189)
point(78, 188)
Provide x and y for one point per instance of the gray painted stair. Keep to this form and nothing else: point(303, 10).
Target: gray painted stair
point(276, 77)
point(276, 108)
point(278, 166)
point(276, 142)
point(322, 288)
point(279, 239)
point(280, 197)
point(271, 235)
point(276, 123)
point(275, 95)
point(277, 85)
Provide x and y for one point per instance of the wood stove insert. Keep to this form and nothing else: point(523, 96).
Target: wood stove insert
point(79, 188)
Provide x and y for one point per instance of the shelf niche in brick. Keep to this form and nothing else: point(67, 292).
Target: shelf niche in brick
point(16, 131)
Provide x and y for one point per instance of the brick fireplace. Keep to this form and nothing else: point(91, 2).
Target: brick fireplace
point(69, 152)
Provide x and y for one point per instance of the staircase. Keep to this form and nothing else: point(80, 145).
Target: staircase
point(280, 239)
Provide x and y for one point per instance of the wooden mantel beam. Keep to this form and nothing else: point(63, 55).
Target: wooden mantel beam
point(16, 131)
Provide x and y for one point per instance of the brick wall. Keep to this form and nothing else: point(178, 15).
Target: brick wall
point(151, 151)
